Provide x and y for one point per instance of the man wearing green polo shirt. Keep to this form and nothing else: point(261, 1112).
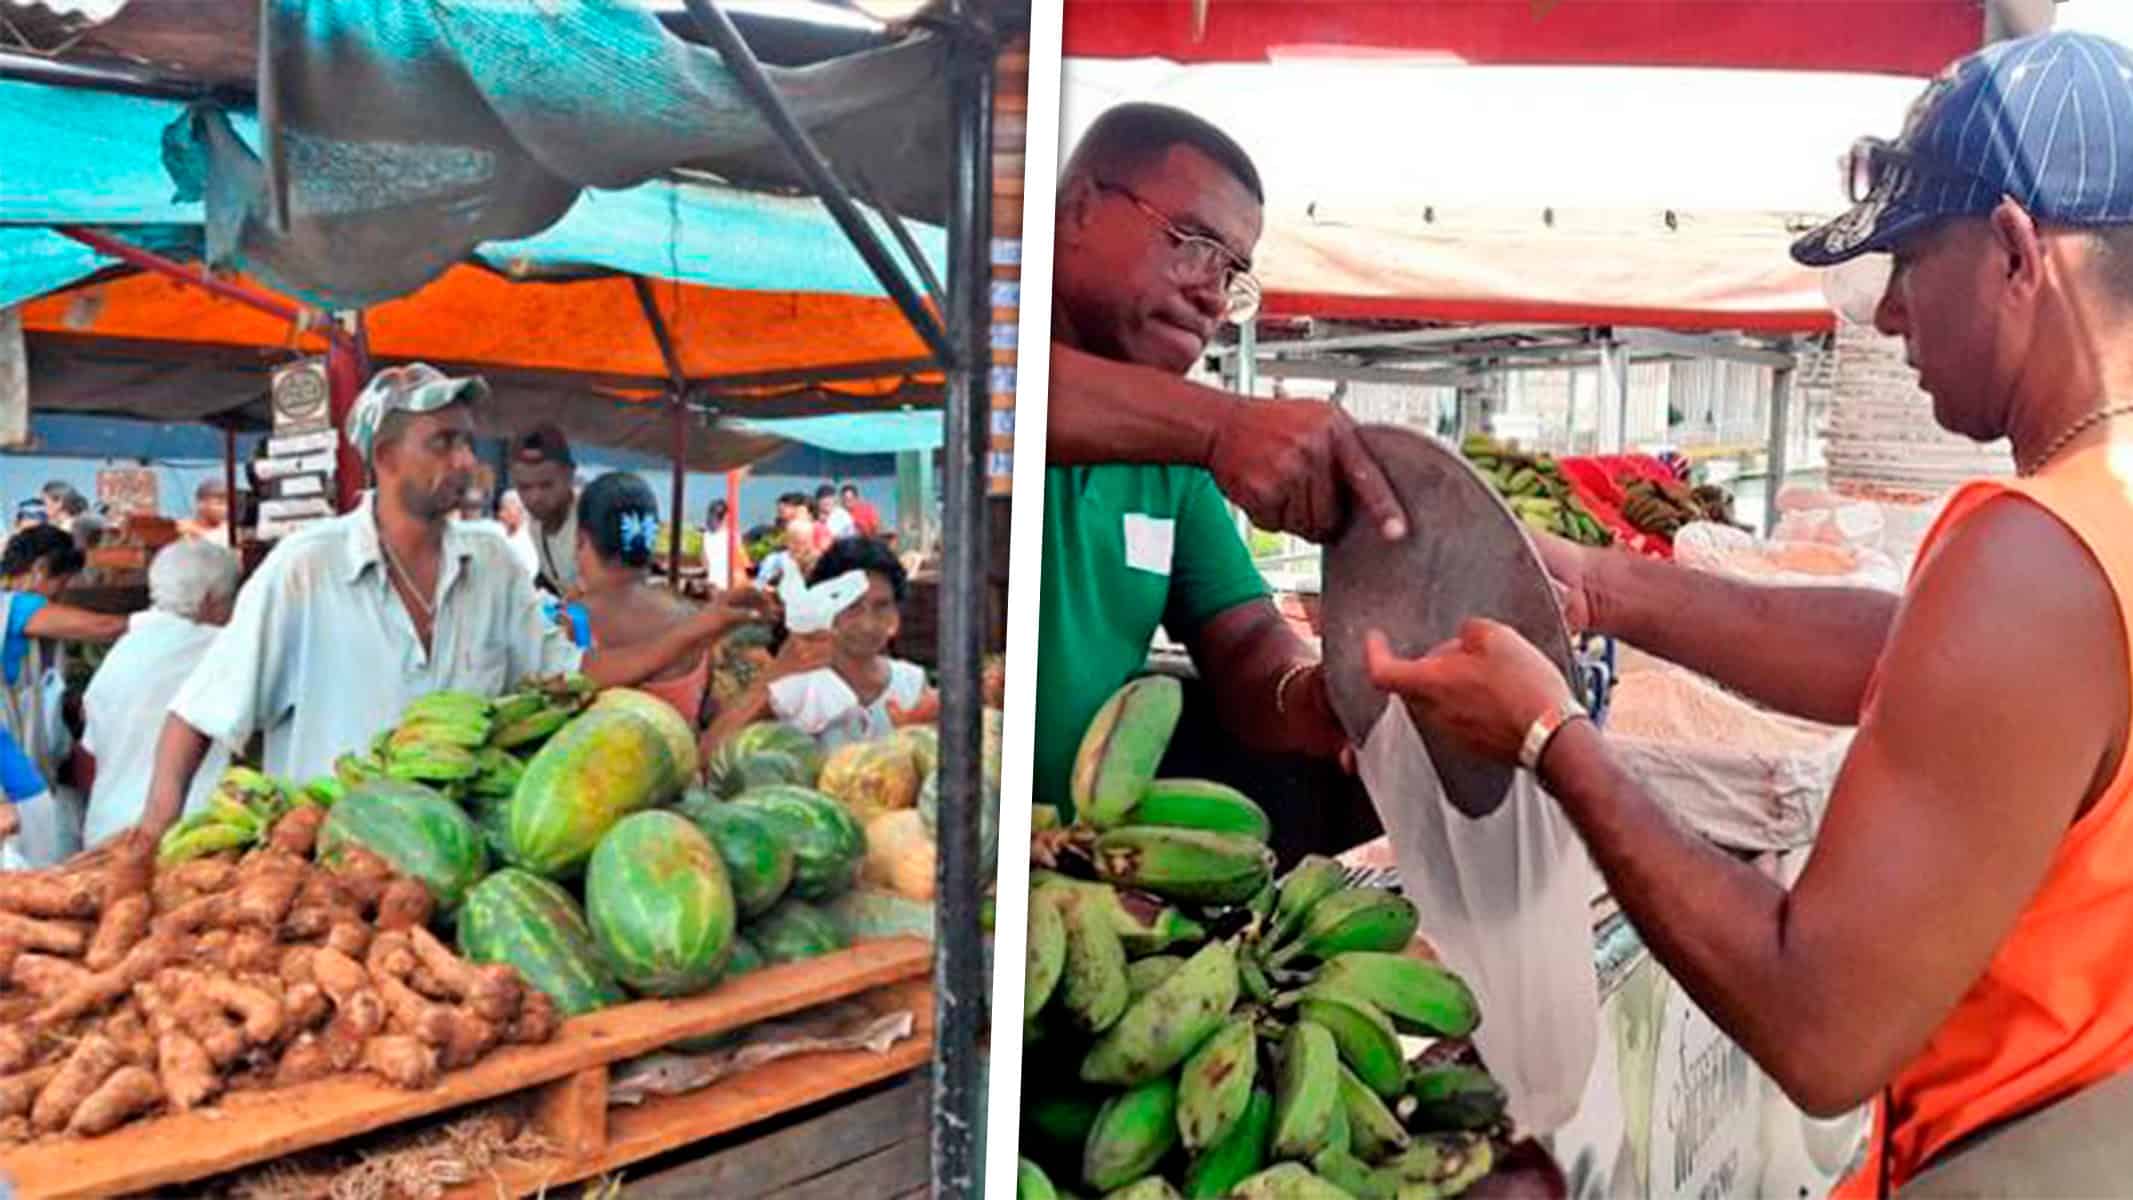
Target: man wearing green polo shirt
point(1158, 214)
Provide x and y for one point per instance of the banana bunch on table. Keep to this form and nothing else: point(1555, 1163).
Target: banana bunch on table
point(1534, 487)
point(238, 813)
point(464, 744)
point(1195, 1027)
point(1663, 508)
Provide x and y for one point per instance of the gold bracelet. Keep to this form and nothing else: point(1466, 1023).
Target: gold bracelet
point(1281, 686)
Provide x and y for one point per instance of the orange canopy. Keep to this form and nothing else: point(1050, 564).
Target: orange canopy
point(594, 329)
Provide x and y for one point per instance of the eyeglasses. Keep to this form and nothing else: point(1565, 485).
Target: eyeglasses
point(1196, 258)
point(1877, 168)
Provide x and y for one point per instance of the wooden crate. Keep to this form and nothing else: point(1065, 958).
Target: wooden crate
point(876, 1143)
point(568, 1078)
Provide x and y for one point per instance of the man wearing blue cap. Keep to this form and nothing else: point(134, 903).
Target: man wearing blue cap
point(364, 612)
point(1957, 946)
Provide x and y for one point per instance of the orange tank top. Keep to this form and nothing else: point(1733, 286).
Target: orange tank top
point(2053, 1011)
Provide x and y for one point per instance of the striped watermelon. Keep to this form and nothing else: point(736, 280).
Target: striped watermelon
point(603, 766)
point(763, 754)
point(519, 918)
point(758, 864)
point(660, 907)
point(415, 829)
point(929, 796)
point(795, 930)
point(828, 845)
point(678, 734)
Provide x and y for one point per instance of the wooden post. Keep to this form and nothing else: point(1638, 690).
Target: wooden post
point(732, 531)
point(681, 459)
point(229, 484)
point(572, 1113)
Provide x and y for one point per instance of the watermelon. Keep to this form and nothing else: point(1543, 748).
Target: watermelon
point(674, 729)
point(758, 864)
point(763, 754)
point(989, 820)
point(872, 779)
point(413, 828)
point(924, 742)
point(519, 918)
point(828, 845)
point(660, 907)
point(603, 766)
point(795, 930)
point(744, 959)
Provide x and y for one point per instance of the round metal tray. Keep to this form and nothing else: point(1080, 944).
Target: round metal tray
point(1465, 556)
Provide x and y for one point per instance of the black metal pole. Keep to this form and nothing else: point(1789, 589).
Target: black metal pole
point(960, 985)
point(821, 177)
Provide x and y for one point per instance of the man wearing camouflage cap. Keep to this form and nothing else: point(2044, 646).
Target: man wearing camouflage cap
point(366, 611)
point(1956, 948)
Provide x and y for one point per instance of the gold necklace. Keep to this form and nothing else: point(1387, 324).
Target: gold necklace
point(2040, 461)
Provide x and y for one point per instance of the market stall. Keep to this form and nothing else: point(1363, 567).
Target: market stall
point(535, 304)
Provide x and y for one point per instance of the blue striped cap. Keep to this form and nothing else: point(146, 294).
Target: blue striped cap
point(2047, 120)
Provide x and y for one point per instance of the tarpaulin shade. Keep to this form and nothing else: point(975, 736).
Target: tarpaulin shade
point(474, 318)
point(857, 433)
point(1902, 37)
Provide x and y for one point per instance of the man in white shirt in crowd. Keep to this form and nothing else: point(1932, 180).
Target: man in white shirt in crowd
point(544, 474)
point(192, 586)
point(840, 523)
point(211, 512)
point(718, 556)
point(368, 610)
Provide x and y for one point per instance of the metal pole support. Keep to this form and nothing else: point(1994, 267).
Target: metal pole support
point(1780, 431)
point(960, 990)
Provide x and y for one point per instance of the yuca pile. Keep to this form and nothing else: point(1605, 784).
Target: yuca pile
point(135, 988)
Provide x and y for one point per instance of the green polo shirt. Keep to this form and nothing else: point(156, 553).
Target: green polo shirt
point(1127, 548)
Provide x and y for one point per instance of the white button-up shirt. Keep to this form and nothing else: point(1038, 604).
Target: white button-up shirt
point(122, 716)
point(320, 619)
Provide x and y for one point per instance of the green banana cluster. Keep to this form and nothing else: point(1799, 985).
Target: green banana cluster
point(465, 745)
point(1534, 487)
point(1195, 1027)
point(526, 718)
point(238, 813)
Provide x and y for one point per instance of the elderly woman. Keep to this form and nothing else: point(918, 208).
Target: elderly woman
point(192, 586)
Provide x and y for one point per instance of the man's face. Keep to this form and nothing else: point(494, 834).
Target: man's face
point(866, 629)
point(1946, 299)
point(1115, 276)
point(429, 467)
point(213, 508)
point(544, 488)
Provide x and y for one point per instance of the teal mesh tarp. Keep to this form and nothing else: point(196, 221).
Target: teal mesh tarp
point(857, 433)
point(417, 132)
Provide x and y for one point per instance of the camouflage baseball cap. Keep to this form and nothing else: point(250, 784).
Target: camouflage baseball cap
point(415, 388)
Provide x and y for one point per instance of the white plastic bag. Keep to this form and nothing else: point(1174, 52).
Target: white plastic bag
point(1506, 902)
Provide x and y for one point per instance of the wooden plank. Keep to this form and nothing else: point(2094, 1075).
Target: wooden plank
point(799, 1150)
point(257, 1126)
point(572, 1112)
point(895, 1169)
point(643, 1131)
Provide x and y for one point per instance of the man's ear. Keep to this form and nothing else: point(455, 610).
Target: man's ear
point(1077, 208)
point(2021, 247)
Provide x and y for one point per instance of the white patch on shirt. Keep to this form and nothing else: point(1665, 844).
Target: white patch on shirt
point(1150, 542)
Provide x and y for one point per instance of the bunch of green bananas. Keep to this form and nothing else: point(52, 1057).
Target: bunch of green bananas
point(243, 807)
point(1195, 1028)
point(527, 717)
point(437, 739)
point(1534, 488)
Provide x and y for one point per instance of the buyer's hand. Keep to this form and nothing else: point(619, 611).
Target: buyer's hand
point(1484, 688)
point(1296, 466)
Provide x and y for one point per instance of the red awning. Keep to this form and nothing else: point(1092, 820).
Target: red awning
point(1899, 37)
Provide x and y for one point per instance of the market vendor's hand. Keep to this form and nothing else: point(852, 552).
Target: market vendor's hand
point(10, 822)
point(925, 712)
point(1484, 688)
point(803, 652)
point(1296, 466)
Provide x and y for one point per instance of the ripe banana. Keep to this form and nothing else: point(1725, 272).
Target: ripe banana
point(1163, 1027)
point(1239, 1155)
point(1308, 882)
point(1455, 1098)
point(1418, 994)
point(1045, 959)
point(1216, 1084)
point(1368, 1042)
point(1153, 1187)
point(1375, 1134)
point(1307, 1092)
point(1133, 1131)
point(1288, 1181)
point(1031, 1183)
point(1202, 804)
point(1143, 974)
point(1143, 922)
point(1188, 865)
point(1357, 918)
point(1122, 748)
point(1092, 987)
